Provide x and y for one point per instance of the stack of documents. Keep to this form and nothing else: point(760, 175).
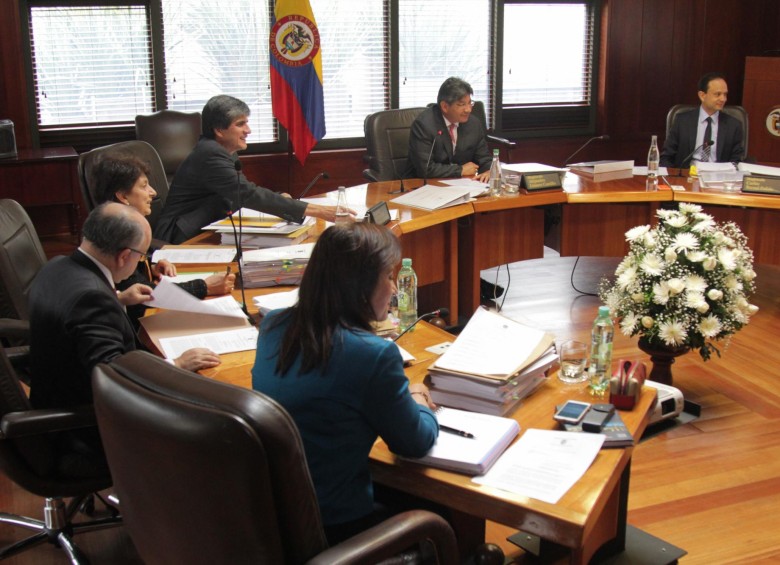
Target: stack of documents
point(493, 364)
point(760, 179)
point(431, 197)
point(602, 171)
point(261, 230)
point(276, 266)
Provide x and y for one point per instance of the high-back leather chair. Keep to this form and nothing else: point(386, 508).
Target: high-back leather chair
point(734, 111)
point(21, 257)
point(140, 149)
point(222, 476)
point(30, 457)
point(173, 134)
point(387, 142)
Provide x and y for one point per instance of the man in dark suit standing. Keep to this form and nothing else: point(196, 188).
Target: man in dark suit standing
point(78, 319)
point(446, 140)
point(209, 182)
point(691, 129)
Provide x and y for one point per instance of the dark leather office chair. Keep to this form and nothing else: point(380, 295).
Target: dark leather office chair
point(387, 142)
point(173, 134)
point(30, 457)
point(140, 149)
point(734, 111)
point(222, 476)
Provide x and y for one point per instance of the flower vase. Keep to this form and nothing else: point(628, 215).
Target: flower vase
point(662, 357)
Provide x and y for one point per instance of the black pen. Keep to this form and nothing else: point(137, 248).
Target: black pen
point(460, 433)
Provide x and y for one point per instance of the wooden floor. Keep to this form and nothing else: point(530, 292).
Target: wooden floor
point(711, 487)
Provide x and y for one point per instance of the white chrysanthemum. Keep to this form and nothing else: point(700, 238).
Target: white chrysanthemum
point(652, 264)
point(688, 208)
point(650, 240)
point(647, 322)
point(749, 274)
point(727, 258)
point(696, 301)
point(669, 255)
point(627, 278)
point(704, 224)
point(696, 256)
point(695, 283)
point(709, 264)
point(612, 300)
point(636, 233)
point(714, 294)
point(732, 284)
point(677, 221)
point(685, 242)
point(663, 213)
point(629, 323)
point(661, 292)
point(672, 333)
point(624, 264)
point(675, 285)
point(710, 326)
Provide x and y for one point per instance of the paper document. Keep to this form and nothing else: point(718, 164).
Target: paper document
point(763, 170)
point(229, 341)
point(168, 295)
point(531, 168)
point(642, 171)
point(543, 464)
point(267, 302)
point(431, 197)
point(194, 254)
point(288, 252)
point(709, 166)
point(476, 189)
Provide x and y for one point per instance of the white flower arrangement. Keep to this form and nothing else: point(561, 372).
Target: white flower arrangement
point(685, 283)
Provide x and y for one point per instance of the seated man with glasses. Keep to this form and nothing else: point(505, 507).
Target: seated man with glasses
point(78, 321)
point(446, 140)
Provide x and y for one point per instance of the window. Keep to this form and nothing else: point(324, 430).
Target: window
point(101, 65)
point(547, 66)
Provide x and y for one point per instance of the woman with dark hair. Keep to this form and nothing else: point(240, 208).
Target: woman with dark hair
point(342, 384)
point(124, 179)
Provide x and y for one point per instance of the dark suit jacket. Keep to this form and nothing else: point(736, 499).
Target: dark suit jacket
point(76, 322)
point(430, 126)
point(205, 188)
point(681, 140)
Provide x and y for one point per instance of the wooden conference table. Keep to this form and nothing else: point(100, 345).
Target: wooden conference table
point(591, 514)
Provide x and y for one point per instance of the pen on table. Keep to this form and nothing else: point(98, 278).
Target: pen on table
point(227, 271)
point(460, 433)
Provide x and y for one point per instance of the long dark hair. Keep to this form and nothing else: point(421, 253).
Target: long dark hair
point(336, 290)
point(117, 173)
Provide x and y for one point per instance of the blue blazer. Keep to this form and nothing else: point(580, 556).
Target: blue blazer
point(681, 140)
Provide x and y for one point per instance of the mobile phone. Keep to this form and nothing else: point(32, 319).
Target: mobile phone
point(571, 412)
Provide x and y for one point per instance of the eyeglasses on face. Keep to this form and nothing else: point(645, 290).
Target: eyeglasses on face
point(143, 256)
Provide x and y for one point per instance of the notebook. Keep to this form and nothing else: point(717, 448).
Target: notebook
point(473, 456)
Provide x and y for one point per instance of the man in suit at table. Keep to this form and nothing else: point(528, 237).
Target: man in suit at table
point(209, 183)
point(446, 140)
point(691, 129)
point(78, 319)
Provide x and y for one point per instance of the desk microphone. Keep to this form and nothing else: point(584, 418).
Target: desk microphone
point(238, 237)
point(315, 180)
point(441, 312)
point(604, 137)
point(427, 164)
point(402, 189)
point(707, 143)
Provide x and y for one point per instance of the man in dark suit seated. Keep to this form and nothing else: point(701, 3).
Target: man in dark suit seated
point(78, 319)
point(446, 140)
point(209, 182)
point(691, 129)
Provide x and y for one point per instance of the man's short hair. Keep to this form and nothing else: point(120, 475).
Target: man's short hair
point(704, 82)
point(221, 111)
point(453, 89)
point(114, 229)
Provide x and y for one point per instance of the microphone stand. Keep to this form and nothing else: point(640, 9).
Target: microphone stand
point(443, 312)
point(707, 143)
point(238, 237)
point(395, 173)
point(315, 180)
point(584, 145)
point(428, 163)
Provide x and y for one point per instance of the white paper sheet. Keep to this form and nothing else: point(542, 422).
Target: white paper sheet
point(168, 295)
point(543, 464)
point(228, 341)
point(195, 255)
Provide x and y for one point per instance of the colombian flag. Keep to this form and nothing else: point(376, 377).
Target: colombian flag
point(296, 75)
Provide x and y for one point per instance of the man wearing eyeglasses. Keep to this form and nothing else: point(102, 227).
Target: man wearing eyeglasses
point(446, 140)
point(77, 319)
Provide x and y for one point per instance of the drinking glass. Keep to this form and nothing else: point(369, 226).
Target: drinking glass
point(511, 183)
point(574, 357)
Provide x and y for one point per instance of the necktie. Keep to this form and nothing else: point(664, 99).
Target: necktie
point(707, 151)
point(453, 135)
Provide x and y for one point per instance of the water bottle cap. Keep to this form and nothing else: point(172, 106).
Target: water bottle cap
point(603, 310)
point(406, 262)
point(495, 151)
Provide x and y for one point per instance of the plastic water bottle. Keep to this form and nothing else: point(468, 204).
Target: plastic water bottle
point(495, 175)
point(407, 294)
point(653, 158)
point(600, 369)
point(342, 210)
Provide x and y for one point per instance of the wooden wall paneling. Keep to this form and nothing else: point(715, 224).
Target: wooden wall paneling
point(761, 96)
point(758, 225)
point(13, 92)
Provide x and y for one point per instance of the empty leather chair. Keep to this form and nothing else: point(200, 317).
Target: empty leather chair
point(140, 149)
point(173, 134)
point(387, 142)
point(222, 476)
